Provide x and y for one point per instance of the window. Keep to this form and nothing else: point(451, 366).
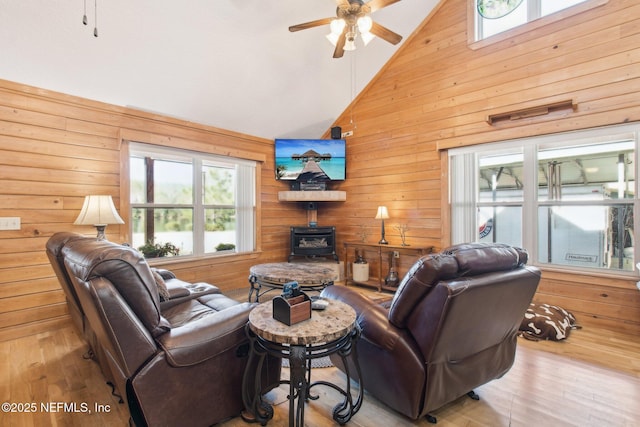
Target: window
point(568, 198)
point(496, 16)
point(200, 203)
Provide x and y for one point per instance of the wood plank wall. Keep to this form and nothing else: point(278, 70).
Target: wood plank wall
point(55, 149)
point(436, 93)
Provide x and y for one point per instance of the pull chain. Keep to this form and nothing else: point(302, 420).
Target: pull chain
point(85, 20)
point(95, 28)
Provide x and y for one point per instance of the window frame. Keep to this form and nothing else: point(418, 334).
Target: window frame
point(472, 18)
point(246, 202)
point(465, 224)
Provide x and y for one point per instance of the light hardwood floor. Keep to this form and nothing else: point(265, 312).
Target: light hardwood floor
point(591, 379)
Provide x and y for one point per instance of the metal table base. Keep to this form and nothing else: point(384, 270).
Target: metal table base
point(300, 385)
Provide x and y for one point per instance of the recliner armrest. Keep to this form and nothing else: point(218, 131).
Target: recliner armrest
point(181, 291)
point(202, 339)
point(177, 289)
point(371, 316)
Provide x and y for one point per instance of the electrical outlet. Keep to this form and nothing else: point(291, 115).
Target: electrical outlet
point(396, 254)
point(347, 133)
point(10, 223)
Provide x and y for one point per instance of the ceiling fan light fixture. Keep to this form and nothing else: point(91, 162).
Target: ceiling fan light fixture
point(353, 18)
point(364, 24)
point(337, 25)
point(333, 38)
point(350, 44)
point(367, 37)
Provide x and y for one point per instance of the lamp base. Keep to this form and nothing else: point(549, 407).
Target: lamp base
point(100, 229)
point(382, 239)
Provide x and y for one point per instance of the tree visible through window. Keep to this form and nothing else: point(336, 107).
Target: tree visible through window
point(191, 200)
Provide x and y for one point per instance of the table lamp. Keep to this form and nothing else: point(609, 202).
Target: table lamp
point(382, 214)
point(98, 211)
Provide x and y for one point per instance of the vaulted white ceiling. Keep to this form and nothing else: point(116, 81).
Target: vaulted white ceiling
point(232, 64)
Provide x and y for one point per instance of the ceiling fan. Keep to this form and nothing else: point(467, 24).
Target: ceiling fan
point(353, 18)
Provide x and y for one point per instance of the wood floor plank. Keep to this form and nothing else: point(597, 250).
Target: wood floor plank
point(591, 379)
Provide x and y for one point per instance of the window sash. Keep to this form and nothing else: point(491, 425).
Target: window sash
point(476, 41)
point(244, 194)
point(464, 170)
point(532, 9)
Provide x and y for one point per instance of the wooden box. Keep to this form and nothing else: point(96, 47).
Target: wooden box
point(292, 310)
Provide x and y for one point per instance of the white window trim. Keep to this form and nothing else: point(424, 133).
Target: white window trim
point(472, 35)
point(245, 200)
point(464, 226)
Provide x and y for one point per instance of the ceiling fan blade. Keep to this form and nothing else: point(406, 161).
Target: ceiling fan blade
point(342, 3)
point(385, 33)
point(339, 51)
point(311, 24)
point(379, 4)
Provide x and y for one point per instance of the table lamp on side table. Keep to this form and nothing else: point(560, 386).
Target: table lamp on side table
point(382, 214)
point(98, 211)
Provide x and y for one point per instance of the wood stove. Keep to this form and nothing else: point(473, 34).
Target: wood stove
point(313, 242)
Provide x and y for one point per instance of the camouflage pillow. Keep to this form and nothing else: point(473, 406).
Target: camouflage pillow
point(547, 322)
point(163, 292)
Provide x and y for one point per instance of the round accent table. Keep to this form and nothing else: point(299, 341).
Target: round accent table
point(333, 330)
point(310, 276)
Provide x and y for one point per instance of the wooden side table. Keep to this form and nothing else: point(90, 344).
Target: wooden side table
point(379, 259)
point(330, 331)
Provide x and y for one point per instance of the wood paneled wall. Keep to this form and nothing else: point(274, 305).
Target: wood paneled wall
point(434, 94)
point(55, 149)
point(437, 92)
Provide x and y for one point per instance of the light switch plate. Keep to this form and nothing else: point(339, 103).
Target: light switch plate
point(10, 223)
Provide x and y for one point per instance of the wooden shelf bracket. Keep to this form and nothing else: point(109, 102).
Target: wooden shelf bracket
point(525, 113)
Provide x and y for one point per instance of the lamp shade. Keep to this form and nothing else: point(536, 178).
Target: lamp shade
point(98, 210)
point(364, 24)
point(336, 26)
point(367, 37)
point(382, 213)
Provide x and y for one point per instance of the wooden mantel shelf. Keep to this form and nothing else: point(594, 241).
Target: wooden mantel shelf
point(312, 196)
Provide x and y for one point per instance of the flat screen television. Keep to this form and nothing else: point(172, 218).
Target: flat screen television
point(310, 160)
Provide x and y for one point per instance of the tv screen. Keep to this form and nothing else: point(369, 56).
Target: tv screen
point(309, 160)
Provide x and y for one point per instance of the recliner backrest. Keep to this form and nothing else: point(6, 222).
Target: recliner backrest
point(127, 270)
point(467, 315)
point(464, 260)
point(469, 302)
point(117, 306)
point(479, 258)
point(54, 253)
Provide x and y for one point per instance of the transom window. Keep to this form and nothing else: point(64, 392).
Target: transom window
point(496, 16)
point(199, 203)
point(569, 199)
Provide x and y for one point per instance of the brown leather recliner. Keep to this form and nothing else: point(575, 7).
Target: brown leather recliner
point(54, 253)
point(450, 327)
point(178, 291)
point(180, 361)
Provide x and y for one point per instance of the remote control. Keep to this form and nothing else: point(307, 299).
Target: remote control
point(319, 304)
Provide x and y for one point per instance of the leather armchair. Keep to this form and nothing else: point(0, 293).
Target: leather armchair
point(179, 361)
point(451, 326)
point(54, 253)
point(179, 291)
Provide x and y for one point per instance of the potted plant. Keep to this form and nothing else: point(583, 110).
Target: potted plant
point(225, 247)
point(156, 250)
